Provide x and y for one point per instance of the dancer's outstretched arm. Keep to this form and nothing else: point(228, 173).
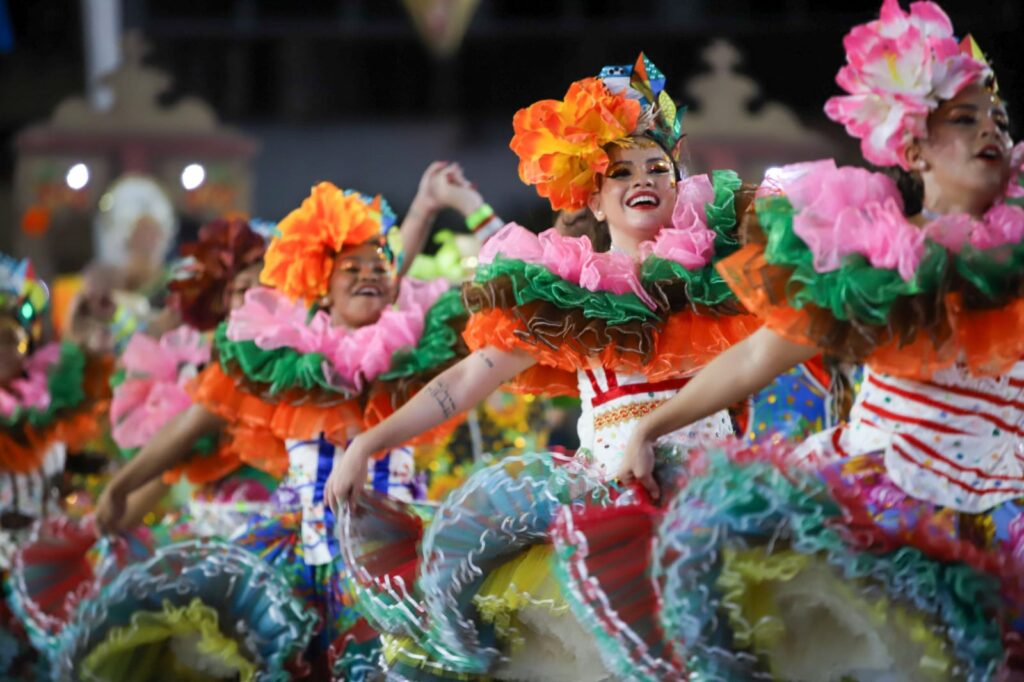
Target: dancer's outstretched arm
point(452, 392)
point(169, 446)
point(738, 372)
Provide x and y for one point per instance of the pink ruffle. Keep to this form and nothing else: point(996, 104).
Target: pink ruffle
point(354, 356)
point(32, 391)
point(688, 242)
point(153, 391)
point(843, 211)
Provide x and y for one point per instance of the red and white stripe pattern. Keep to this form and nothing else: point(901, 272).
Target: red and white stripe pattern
point(613, 402)
point(953, 440)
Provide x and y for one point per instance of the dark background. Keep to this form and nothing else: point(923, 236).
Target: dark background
point(298, 73)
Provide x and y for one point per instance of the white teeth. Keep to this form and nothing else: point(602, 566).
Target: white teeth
point(644, 199)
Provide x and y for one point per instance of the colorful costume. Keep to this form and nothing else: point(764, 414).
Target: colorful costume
point(50, 409)
point(884, 548)
point(482, 599)
point(292, 387)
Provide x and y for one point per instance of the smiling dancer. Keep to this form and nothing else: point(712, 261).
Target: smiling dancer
point(624, 328)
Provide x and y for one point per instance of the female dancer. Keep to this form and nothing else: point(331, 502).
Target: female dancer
point(623, 328)
point(927, 473)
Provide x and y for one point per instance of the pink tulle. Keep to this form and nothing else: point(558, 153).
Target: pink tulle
point(688, 242)
point(899, 68)
point(354, 356)
point(31, 391)
point(843, 211)
point(153, 391)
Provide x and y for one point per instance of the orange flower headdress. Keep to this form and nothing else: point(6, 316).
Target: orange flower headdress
point(301, 256)
point(560, 143)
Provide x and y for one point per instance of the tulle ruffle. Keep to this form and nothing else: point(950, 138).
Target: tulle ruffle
point(273, 330)
point(61, 564)
point(79, 398)
point(342, 637)
point(747, 556)
point(500, 512)
point(564, 342)
point(258, 428)
point(182, 642)
point(251, 606)
point(961, 302)
point(153, 388)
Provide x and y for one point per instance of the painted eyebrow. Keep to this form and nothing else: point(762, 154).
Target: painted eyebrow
point(965, 105)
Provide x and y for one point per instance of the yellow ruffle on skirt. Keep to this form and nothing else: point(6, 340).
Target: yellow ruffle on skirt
point(180, 643)
point(778, 604)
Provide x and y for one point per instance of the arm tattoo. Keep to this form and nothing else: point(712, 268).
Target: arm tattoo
point(438, 390)
point(487, 360)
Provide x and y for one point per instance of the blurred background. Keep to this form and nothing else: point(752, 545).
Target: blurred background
point(185, 110)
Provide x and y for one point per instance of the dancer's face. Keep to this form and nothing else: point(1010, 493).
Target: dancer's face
point(241, 283)
point(637, 192)
point(362, 286)
point(966, 156)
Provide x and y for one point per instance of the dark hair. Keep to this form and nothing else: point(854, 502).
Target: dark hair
point(583, 223)
point(911, 188)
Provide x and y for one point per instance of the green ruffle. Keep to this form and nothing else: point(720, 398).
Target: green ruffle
point(66, 386)
point(279, 370)
point(704, 286)
point(860, 293)
point(437, 344)
point(532, 282)
point(721, 213)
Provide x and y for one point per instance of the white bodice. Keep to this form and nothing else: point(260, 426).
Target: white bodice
point(954, 440)
point(302, 490)
point(613, 402)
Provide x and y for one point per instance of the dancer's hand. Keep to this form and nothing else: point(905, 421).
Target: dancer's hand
point(348, 476)
point(426, 200)
point(110, 508)
point(638, 462)
point(452, 190)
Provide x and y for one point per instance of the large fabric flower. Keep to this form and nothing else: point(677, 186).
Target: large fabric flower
point(899, 68)
point(560, 143)
point(300, 259)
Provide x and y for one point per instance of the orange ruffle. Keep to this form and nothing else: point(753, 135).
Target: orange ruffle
point(685, 343)
point(257, 429)
point(206, 468)
point(987, 342)
point(74, 429)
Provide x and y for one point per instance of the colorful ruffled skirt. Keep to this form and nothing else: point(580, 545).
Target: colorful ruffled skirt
point(476, 592)
point(342, 638)
point(756, 573)
point(197, 611)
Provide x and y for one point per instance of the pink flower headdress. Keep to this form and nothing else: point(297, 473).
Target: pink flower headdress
point(898, 69)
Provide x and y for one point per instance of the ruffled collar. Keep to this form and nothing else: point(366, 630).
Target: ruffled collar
point(353, 357)
point(32, 391)
point(153, 392)
point(688, 242)
point(845, 211)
